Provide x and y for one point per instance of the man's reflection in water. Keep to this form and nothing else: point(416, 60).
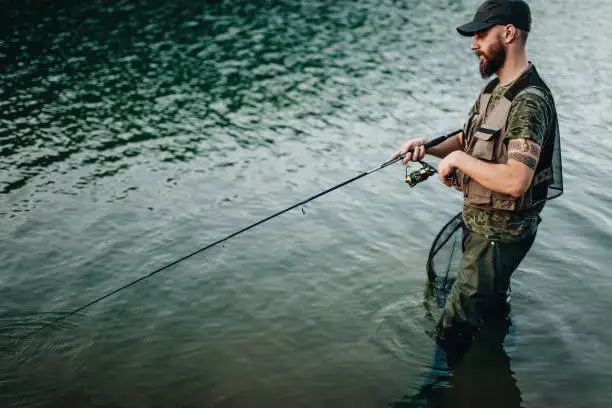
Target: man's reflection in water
point(472, 373)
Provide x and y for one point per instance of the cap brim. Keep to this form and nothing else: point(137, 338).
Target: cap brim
point(471, 28)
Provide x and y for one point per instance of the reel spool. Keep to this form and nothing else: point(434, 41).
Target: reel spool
point(419, 175)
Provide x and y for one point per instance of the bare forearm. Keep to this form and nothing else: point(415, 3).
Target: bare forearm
point(446, 147)
point(500, 178)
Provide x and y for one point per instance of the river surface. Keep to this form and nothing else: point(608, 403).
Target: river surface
point(134, 133)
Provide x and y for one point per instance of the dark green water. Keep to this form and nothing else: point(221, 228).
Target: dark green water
point(132, 133)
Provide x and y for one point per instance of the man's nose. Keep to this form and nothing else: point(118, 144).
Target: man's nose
point(474, 44)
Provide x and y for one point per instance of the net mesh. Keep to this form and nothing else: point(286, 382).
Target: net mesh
point(555, 188)
point(444, 257)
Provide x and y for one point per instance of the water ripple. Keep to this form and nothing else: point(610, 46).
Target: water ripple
point(132, 132)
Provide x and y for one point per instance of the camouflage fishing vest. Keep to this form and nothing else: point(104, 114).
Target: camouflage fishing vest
point(484, 140)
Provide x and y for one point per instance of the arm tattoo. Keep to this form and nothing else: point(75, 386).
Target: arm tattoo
point(526, 160)
point(522, 146)
point(519, 144)
point(534, 149)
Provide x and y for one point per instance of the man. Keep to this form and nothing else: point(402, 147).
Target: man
point(506, 161)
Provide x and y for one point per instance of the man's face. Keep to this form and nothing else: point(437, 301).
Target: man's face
point(490, 50)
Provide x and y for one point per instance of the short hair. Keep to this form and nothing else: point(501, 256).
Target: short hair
point(523, 34)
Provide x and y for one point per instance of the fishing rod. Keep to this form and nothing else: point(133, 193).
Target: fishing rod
point(416, 177)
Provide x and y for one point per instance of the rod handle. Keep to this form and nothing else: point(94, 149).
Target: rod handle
point(440, 139)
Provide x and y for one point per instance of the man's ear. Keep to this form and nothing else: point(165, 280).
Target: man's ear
point(510, 31)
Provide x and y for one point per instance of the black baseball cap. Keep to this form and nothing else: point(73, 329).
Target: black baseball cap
point(494, 12)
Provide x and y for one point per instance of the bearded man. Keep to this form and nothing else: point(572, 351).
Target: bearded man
point(507, 162)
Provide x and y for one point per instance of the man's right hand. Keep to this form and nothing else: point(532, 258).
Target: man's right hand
point(417, 154)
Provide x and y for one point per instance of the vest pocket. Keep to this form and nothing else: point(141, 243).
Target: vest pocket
point(477, 194)
point(484, 143)
point(482, 146)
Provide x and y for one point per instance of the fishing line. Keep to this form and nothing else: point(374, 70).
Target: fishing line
point(432, 143)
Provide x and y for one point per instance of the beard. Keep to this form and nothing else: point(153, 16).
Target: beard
point(493, 61)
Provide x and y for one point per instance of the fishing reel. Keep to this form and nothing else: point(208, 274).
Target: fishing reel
point(419, 175)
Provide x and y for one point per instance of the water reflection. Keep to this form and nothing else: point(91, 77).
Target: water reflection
point(481, 376)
